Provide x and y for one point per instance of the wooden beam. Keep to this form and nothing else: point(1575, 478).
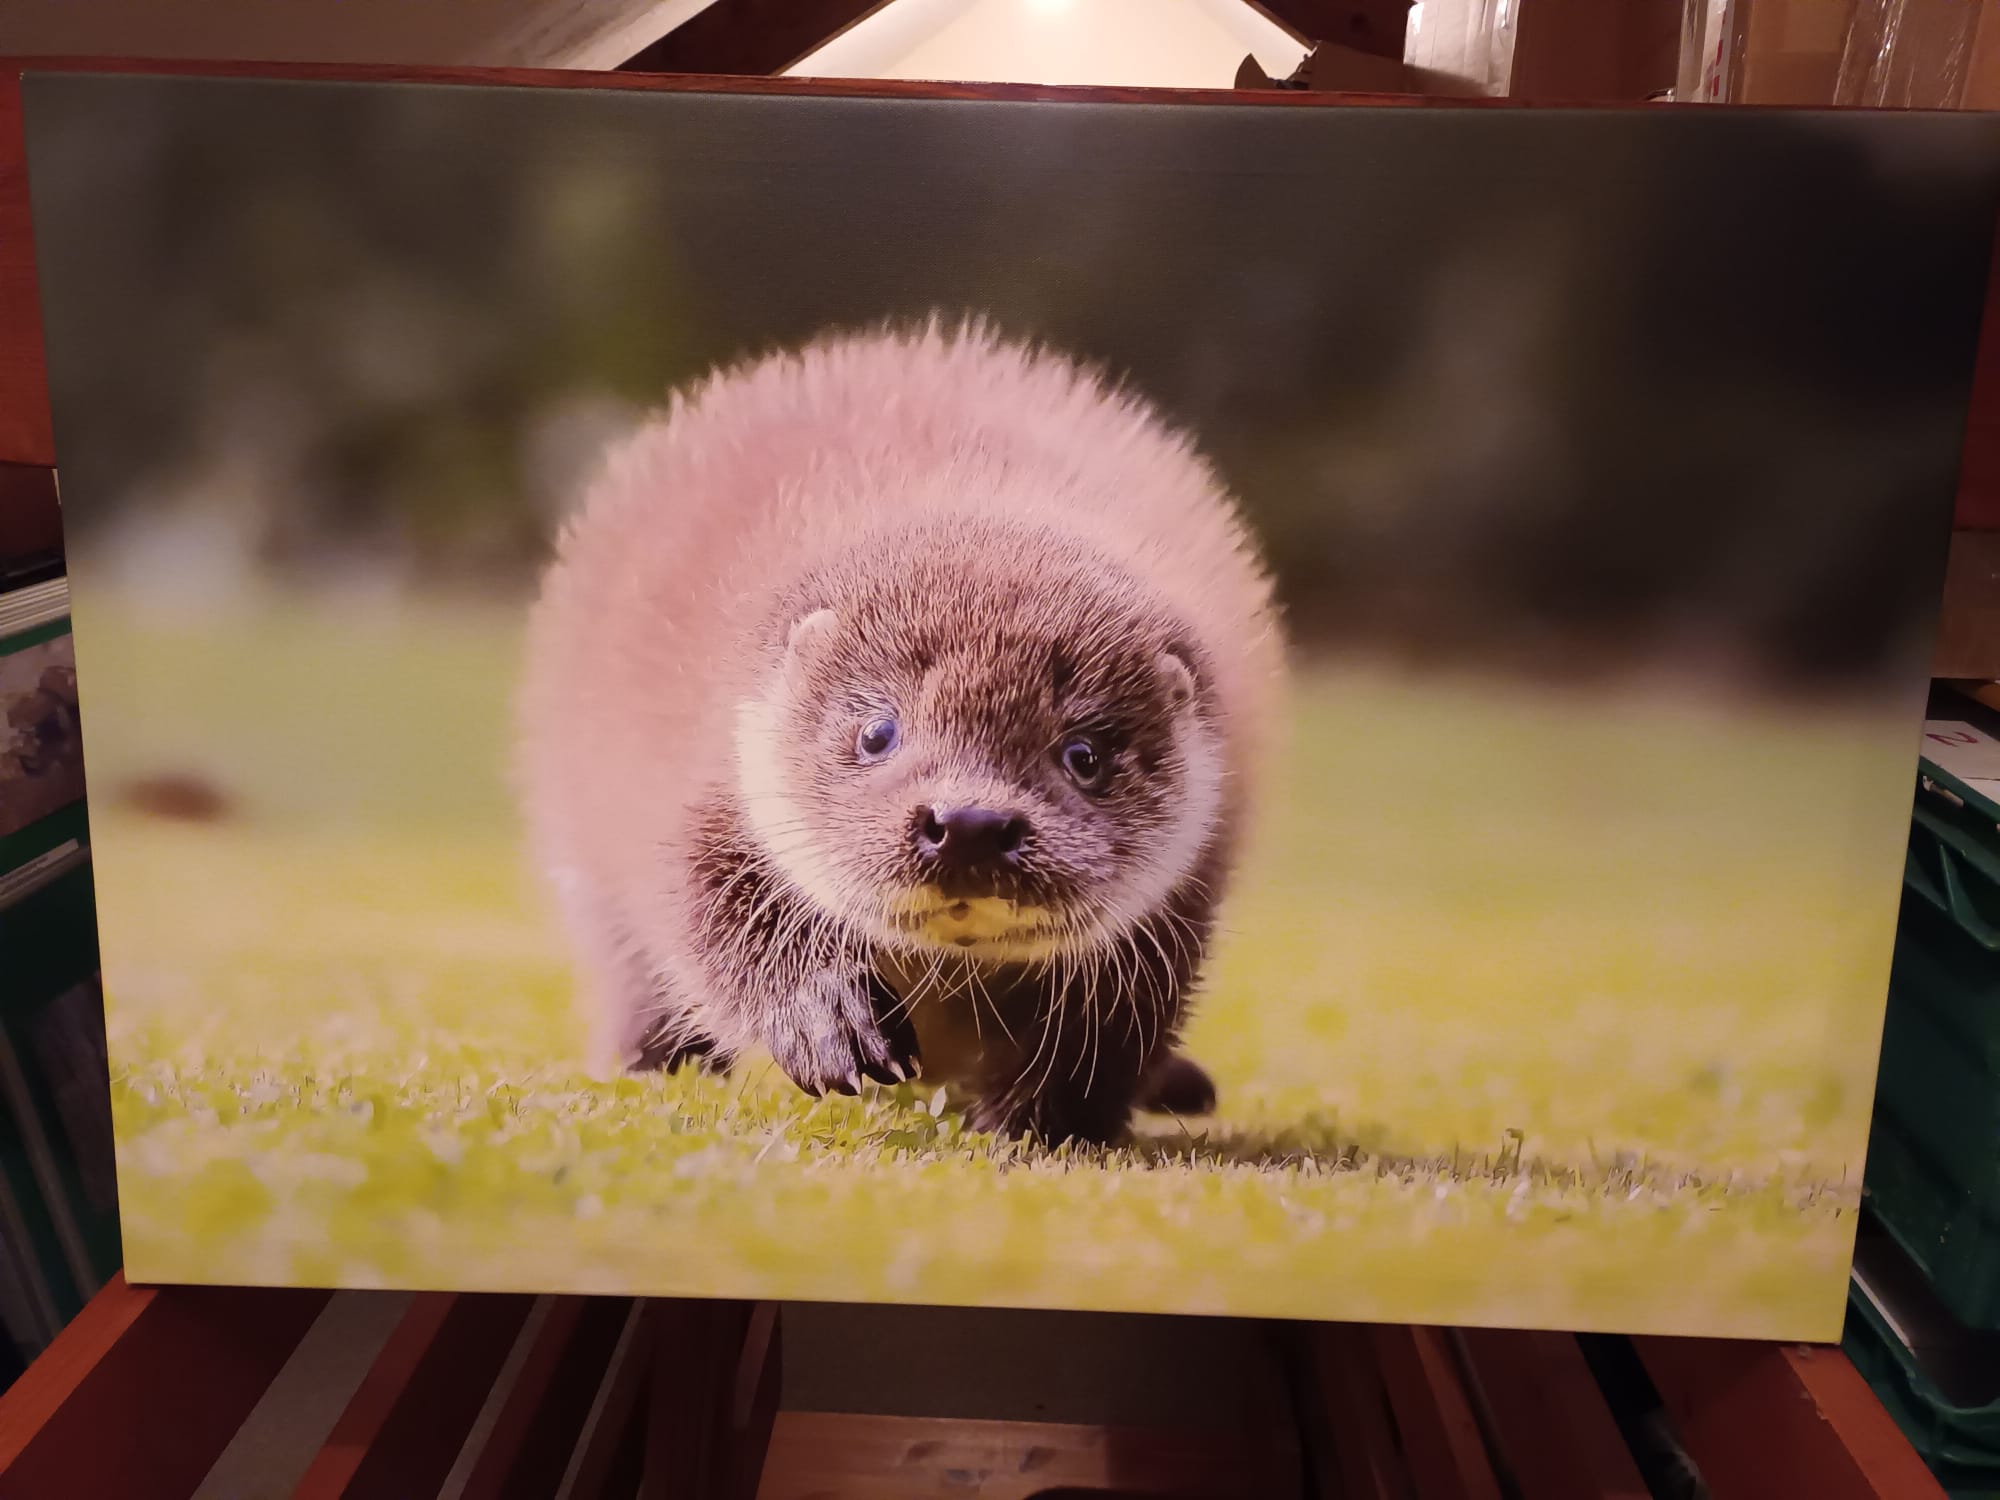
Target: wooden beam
point(1373, 26)
point(140, 1394)
point(692, 1399)
point(1437, 1431)
point(615, 1408)
point(759, 1383)
point(1775, 1419)
point(404, 1427)
point(542, 1407)
point(714, 1397)
point(750, 36)
point(1364, 1461)
point(1549, 1422)
point(340, 1457)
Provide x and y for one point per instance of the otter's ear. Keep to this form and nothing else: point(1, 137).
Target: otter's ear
point(1176, 677)
point(807, 639)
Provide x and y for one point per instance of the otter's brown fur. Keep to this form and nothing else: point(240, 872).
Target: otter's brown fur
point(832, 595)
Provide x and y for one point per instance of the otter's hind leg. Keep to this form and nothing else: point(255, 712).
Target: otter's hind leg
point(1064, 1093)
point(1102, 1043)
point(672, 1038)
point(1085, 1065)
point(1177, 1085)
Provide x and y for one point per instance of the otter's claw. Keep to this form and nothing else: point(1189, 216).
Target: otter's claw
point(839, 1029)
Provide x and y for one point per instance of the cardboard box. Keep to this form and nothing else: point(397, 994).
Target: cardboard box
point(1581, 51)
point(1791, 50)
point(1982, 79)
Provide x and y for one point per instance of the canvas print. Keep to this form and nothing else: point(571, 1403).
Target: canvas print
point(1269, 710)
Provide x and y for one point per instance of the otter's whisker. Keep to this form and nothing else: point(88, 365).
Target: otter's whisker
point(1095, 1021)
point(1151, 934)
point(993, 1005)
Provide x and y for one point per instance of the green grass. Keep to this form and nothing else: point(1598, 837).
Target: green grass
point(1532, 1009)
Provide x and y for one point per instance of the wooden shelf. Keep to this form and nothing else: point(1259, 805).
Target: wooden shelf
point(484, 1396)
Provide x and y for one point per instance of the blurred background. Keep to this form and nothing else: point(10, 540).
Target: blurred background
point(1572, 394)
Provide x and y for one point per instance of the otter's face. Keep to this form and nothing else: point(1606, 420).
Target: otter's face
point(1029, 782)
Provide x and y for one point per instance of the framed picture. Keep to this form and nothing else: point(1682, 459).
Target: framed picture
point(1169, 705)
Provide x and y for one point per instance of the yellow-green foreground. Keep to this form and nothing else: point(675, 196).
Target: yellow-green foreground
point(1533, 1010)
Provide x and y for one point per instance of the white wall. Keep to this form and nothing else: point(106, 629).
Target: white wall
point(1161, 43)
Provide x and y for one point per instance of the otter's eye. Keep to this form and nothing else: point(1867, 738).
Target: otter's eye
point(877, 738)
point(1084, 762)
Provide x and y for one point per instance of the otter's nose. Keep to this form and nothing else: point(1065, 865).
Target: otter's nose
point(968, 838)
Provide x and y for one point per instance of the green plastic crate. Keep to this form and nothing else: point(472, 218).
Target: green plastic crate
point(1933, 1176)
point(1934, 1157)
point(1944, 1392)
point(59, 1237)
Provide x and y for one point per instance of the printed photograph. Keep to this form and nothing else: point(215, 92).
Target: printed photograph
point(1283, 711)
point(41, 747)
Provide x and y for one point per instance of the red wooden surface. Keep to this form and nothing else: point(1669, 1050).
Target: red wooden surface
point(754, 1400)
point(142, 1392)
point(340, 1457)
point(1441, 1441)
point(614, 1420)
point(30, 520)
point(1549, 1421)
point(406, 1423)
point(1365, 1455)
point(1763, 1420)
point(692, 1405)
point(540, 1416)
point(25, 437)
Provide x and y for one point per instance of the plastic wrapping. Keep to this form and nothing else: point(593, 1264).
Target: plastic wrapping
point(1908, 54)
point(1762, 51)
point(1471, 39)
point(1707, 51)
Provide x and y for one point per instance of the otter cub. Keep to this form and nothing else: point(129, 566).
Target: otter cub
point(898, 699)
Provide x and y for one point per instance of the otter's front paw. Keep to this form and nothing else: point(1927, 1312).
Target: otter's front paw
point(837, 1029)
